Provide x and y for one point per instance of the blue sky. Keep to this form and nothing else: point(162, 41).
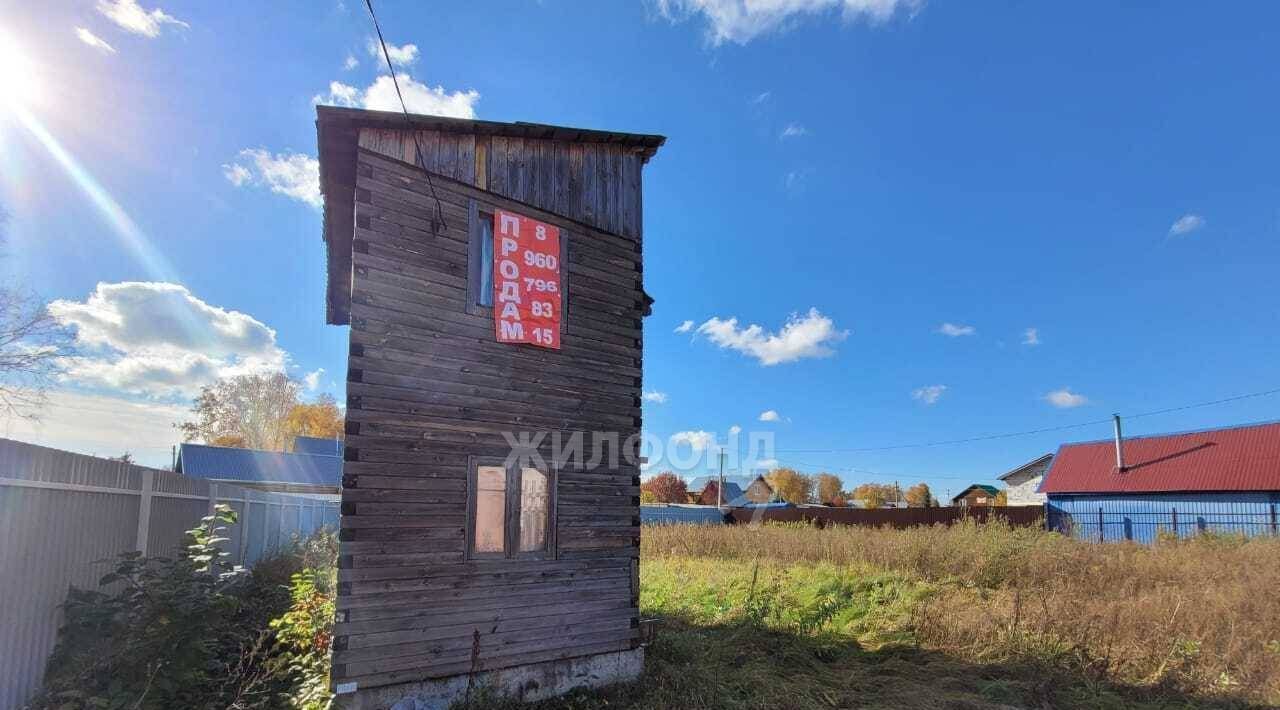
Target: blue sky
point(869, 171)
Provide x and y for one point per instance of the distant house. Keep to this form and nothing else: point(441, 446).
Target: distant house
point(1022, 483)
point(1222, 480)
point(738, 490)
point(318, 474)
point(979, 494)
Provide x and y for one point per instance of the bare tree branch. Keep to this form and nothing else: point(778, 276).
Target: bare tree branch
point(32, 347)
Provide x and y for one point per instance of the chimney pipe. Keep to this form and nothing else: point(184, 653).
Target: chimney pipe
point(1119, 445)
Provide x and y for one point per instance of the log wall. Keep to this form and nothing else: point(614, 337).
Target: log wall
point(428, 387)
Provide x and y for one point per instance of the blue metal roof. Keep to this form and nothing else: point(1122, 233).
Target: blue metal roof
point(317, 445)
point(218, 462)
point(742, 482)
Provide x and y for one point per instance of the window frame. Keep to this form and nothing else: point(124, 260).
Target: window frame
point(511, 531)
point(474, 253)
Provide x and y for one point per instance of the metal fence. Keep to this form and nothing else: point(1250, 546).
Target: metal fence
point(1144, 518)
point(62, 514)
point(676, 514)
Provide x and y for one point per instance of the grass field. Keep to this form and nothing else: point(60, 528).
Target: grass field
point(963, 617)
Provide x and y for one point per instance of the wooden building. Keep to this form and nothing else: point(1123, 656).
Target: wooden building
point(738, 490)
point(979, 494)
point(458, 564)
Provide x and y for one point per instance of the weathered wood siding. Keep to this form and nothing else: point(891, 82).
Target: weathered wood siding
point(594, 183)
point(428, 387)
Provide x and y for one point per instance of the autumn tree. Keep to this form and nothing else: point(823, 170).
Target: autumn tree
point(876, 495)
point(320, 419)
point(829, 488)
point(919, 496)
point(1002, 498)
point(247, 411)
point(666, 487)
point(791, 485)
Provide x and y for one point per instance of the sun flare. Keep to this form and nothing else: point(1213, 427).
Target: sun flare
point(17, 74)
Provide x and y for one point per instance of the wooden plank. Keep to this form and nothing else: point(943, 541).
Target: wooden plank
point(418, 599)
point(490, 648)
point(517, 175)
point(493, 636)
point(465, 171)
point(365, 634)
point(442, 670)
point(497, 165)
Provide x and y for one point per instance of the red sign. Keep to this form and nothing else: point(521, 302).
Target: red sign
point(526, 280)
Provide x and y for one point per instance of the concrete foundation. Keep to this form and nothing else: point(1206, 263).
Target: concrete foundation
point(537, 681)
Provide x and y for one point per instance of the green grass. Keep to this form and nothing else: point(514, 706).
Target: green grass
point(816, 635)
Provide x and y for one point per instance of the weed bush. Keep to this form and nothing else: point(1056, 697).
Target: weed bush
point(1196, 615)
point(190, 631)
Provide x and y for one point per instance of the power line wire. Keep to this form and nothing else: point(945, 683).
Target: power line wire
point(417, 148)
point(1009, 435)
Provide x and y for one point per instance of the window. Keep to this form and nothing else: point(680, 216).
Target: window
point(479, 259)
point(491, 510)
point(510, 512)
point(534, 510)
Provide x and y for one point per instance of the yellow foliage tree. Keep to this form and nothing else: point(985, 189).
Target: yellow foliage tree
point(320, 419)
point(829, 488)
point(791, 485)
point(919, 496)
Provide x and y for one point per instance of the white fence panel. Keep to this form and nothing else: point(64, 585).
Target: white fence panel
point(61, 514)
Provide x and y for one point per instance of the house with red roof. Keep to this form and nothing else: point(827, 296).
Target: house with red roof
point(1220, 480)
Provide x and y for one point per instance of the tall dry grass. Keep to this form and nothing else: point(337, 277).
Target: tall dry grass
point(1200, 615)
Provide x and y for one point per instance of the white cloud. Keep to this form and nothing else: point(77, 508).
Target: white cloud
point(793, 130)
point(929, 394)
point(94, 40)
point(655, 396)
point(1186, 224)
point(763, 463)
point(762, 97)
point(130, 16)
point(418, 98)
point(800, 337)
point(955, 331)
point(735, 430)
point(795, 180)
point(295, 175)
point(769, 415)
point(103, 425)
point(697, 440)
point(1031, 336)
point(741, 21)
point(312, 379)
point(684, 327)
point(159, 340)
point(1065, 398)
point(350, 63)
point(401, 56)
point(237, 174)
